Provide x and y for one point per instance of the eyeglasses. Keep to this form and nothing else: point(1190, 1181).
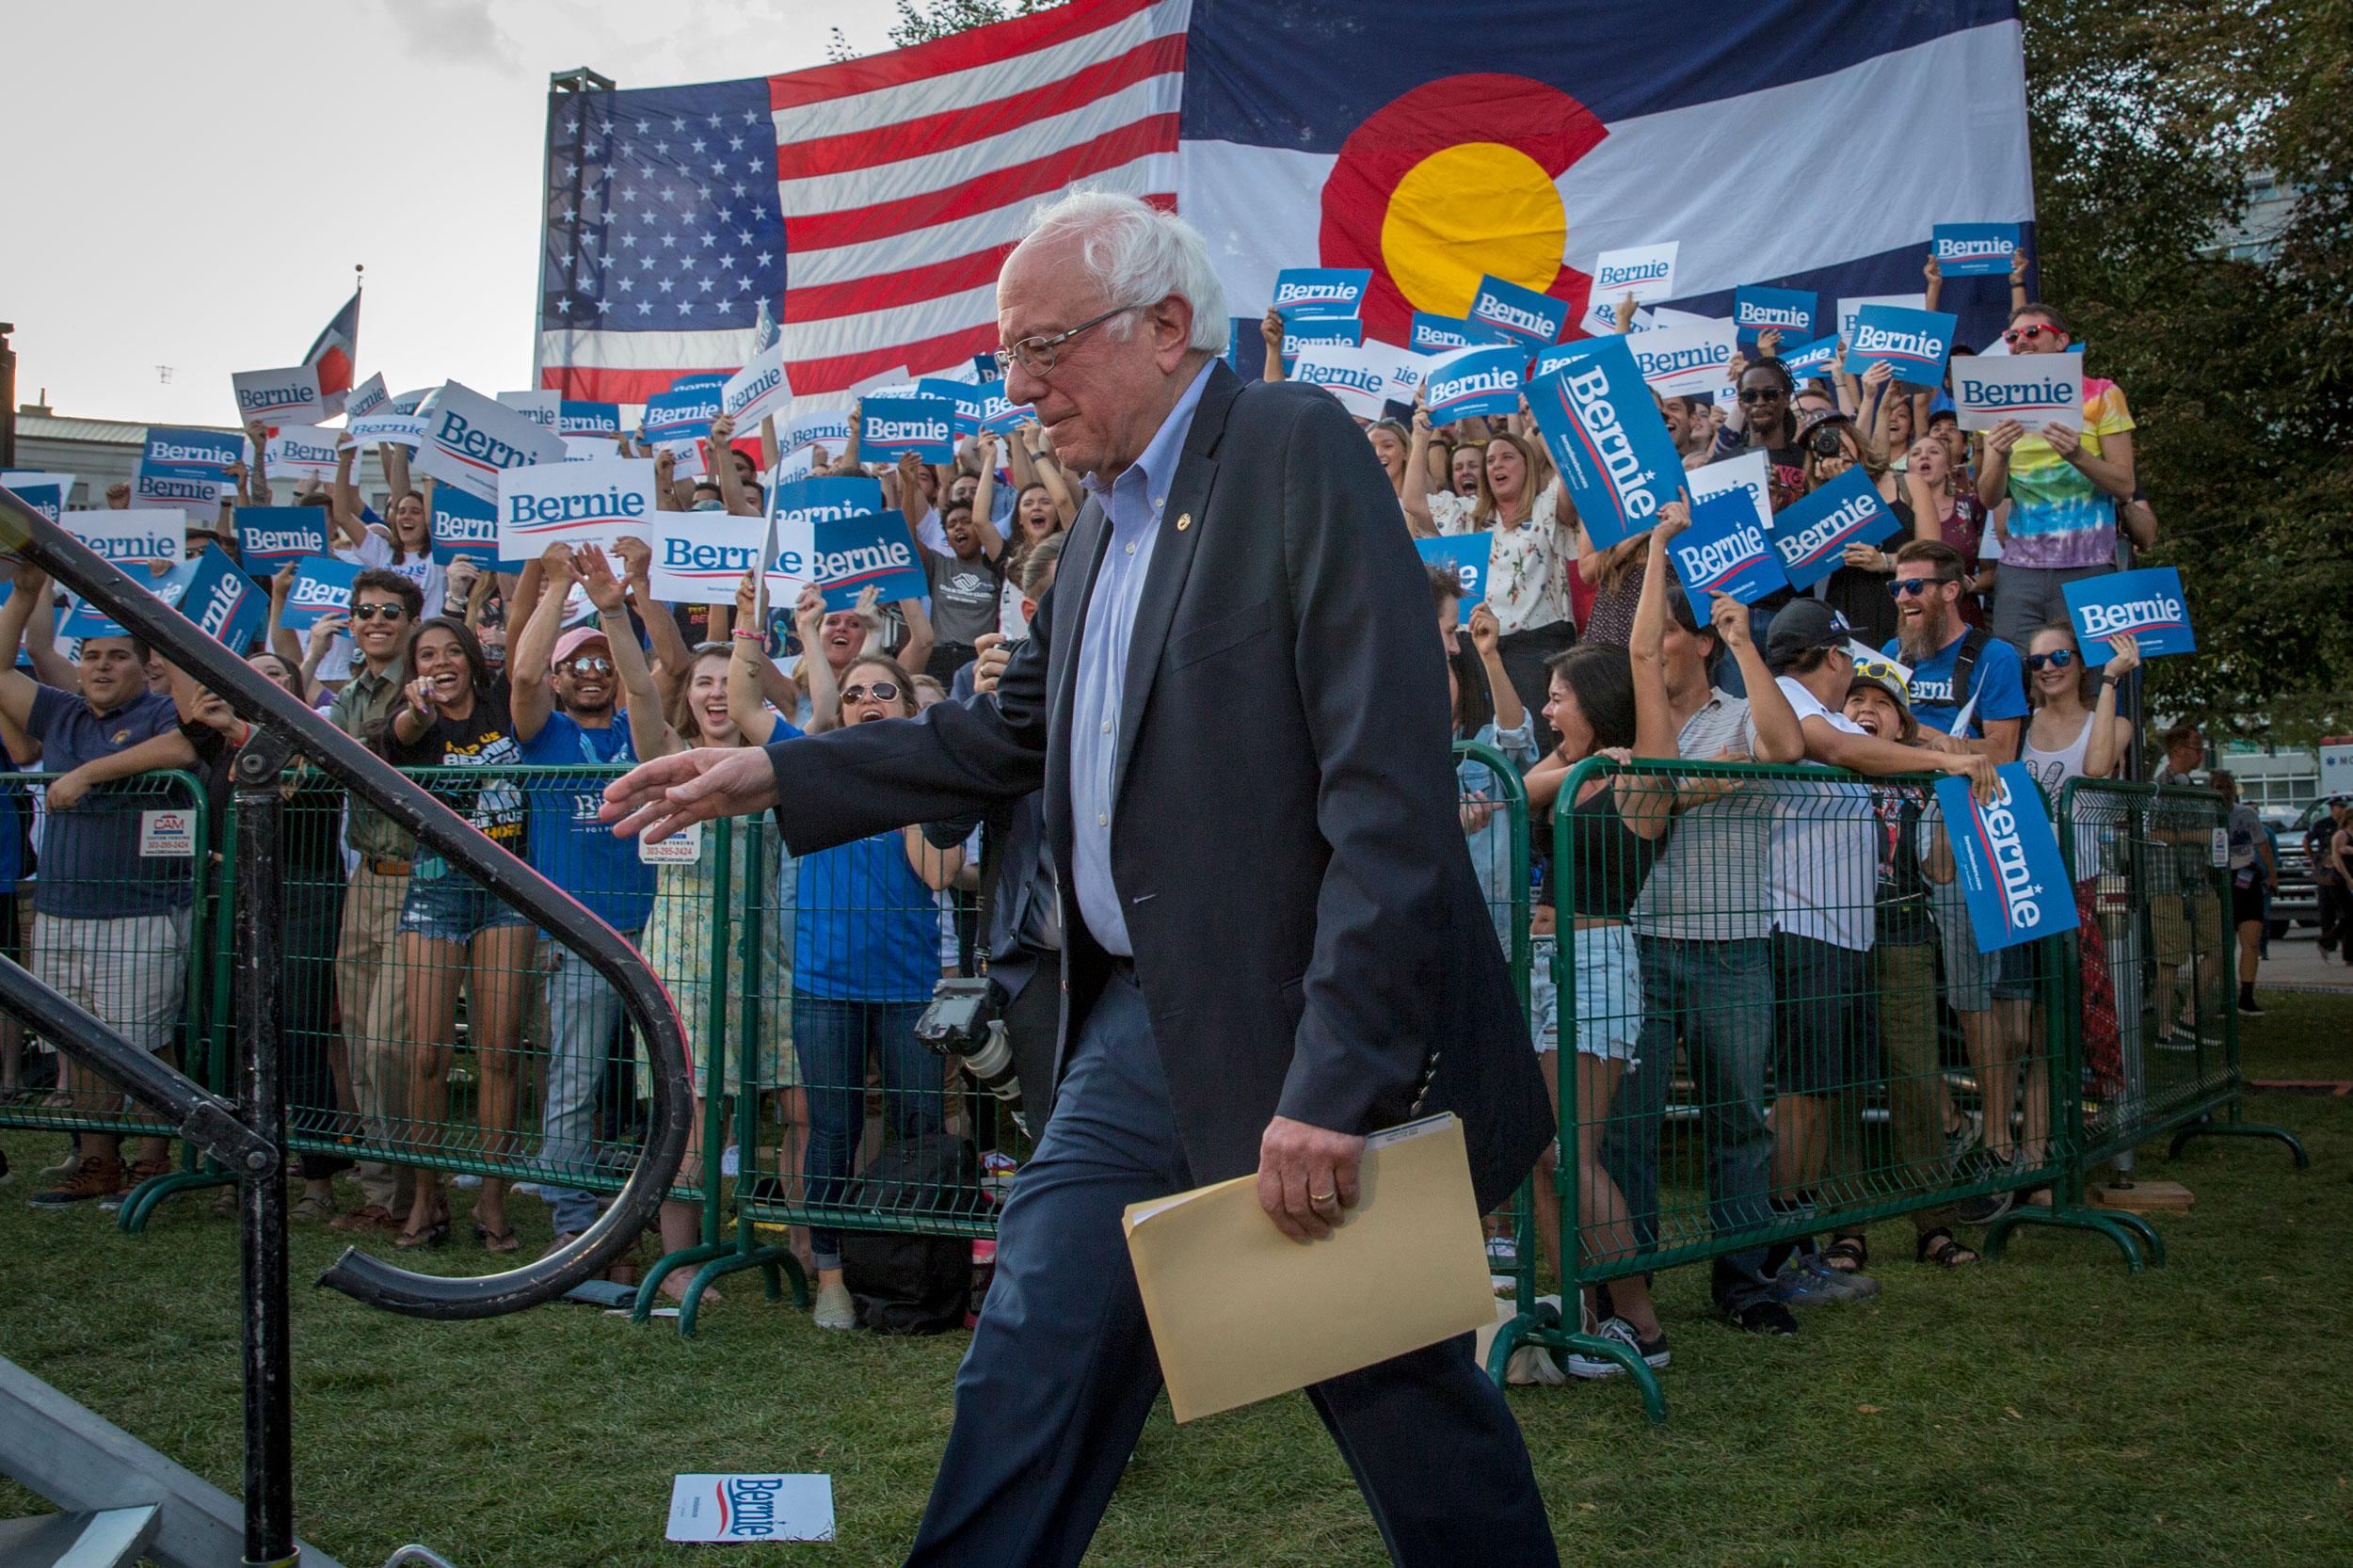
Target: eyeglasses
point(881, 691)
point(590, 665)
point(1038, 356)
point(1760, 395)
point(2057, 659)
point(2029, 332)
point(378, 611)
point(1904, 587)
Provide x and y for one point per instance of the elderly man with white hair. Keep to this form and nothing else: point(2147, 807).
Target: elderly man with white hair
point(1275, 943)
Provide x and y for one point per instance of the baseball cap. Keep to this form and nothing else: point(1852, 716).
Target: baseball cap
point(1801, 628)
point(1879, 673)
point(573, 641)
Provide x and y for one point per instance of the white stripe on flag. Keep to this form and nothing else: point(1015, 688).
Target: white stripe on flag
point(594, 350)
point(945, 242)
point(982, 84)
point(925, 171)
point(899, 324)
point(1641, 185)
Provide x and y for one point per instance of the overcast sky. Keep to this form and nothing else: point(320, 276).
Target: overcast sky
point(193, 182)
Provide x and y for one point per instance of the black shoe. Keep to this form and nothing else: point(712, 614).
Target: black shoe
point(2247, 1008)
point(1769, 1318)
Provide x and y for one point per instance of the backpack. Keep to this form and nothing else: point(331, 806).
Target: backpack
point(908, 1284)
point(1973, 642)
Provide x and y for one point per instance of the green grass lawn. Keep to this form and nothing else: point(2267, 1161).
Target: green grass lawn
point(2048, 1409)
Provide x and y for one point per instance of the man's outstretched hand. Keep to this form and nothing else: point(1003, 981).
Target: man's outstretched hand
point(655, 799)
point(1306, 1176)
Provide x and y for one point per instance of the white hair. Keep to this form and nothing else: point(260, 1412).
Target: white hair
point(1141, 255)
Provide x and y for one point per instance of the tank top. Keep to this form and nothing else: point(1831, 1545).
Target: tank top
point(2052, 770)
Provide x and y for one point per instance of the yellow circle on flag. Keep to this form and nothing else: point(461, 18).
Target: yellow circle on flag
point(1468, 209)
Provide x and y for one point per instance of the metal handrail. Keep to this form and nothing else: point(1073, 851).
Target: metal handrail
point(262, 702)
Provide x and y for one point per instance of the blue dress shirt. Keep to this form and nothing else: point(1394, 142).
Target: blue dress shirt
point(1131, 505)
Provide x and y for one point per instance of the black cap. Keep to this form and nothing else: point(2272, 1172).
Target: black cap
point(1802, 627)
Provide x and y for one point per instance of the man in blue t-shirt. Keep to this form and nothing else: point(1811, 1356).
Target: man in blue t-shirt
point(569, 847)
point(113, 898)
point(1968, 687)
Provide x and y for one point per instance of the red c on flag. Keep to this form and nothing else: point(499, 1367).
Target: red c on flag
point(1430, 211)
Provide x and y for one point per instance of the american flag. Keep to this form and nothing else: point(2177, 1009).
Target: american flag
point(896, 184)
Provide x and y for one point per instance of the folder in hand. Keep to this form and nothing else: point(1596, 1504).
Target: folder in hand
point(1239, 1311)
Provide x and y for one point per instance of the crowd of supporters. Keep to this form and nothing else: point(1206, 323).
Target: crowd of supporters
point(1780, 947)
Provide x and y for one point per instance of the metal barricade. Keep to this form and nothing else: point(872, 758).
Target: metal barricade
point(122, 910)
point(2152, 992)
point(1775, 1029)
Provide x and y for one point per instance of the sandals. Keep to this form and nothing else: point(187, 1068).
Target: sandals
point(312, 1206)
point(496, 1240)
point(434, 1235)
point(1847, 1255)
point(1938, 1247)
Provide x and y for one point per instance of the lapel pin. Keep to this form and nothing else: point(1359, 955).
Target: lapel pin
point(1184, 521)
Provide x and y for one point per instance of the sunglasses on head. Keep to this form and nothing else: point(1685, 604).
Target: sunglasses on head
point(1760, 395)
point(1903, 587)
point(1878, 669)
point(376, 611)
point(2057, 659)
point(2028, 333)
point(881, 691)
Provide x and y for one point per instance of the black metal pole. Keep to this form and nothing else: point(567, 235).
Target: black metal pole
point(269, 1538)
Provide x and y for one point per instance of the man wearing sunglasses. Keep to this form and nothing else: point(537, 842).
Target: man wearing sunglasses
point(2064, 485)
point(563, 699)
point(1231, 684)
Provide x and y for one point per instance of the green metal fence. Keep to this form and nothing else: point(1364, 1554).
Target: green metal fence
point(120, 925)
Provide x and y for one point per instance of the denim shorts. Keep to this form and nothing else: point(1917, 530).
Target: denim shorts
point(446, 906)
point(1608, 994)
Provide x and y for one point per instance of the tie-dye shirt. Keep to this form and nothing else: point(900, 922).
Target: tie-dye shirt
point(2057, 517)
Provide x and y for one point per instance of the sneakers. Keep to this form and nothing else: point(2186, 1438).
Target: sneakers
point(834, 1309)
point(1981, 1165)
point(94, 1178)
point(1584, 1364)
point(1768, 1317)
point(998, 1170)
point(1959, 1140)
point(2249, 1008)
point(1810, 1282)
point(138, 1171)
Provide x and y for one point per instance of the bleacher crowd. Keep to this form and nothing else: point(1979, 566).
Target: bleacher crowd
point(1781, 953)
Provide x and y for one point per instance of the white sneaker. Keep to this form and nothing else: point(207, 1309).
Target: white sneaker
point(834, 1309)
point(1585, 1364)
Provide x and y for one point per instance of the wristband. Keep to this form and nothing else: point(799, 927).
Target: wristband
point(750, 636)
point(2110, 680)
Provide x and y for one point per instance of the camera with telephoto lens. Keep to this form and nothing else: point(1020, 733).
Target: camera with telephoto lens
point(962, 1020)
point(1825, 443)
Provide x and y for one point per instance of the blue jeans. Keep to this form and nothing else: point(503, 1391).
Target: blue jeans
point(1722, 993)
point(583, 1018)
point(832, 1039)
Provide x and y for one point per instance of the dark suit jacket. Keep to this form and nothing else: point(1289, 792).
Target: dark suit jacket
point(1307, 929)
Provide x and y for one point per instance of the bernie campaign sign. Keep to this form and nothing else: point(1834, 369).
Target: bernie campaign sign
point(888, 426)
point(48, 499)
point(701, 557)
point(1526, 315)
point(133, 538)
point(535, 404)
point(1912, 343)
point(322, 587)
point(999, 412)
point(227, 605)
point(1974, 249)
point(271, 536)
point(1359, 377)
point(681, 415)
point(859, 553)
point(2007, 858)
point(1607, 440)
point(587, 419)
point(467, 525)
point(1320, 290)
point(1723, 551)
point(1321, 332)
point(1812, 361)
point(2035, 390)
point(384, 426)
point(470, 440)
point(1434, 334)
point(1789, 312)
point(596, 501)
point(1851, 309)
point(290, 395)
point(194, 455)
point(757, 391)
point(365, 398)
point(1471, 383)
point(963, 396)
point(1466, 556)
point(303, 452)
point(1683, 361)
point(1642, 272)
point(1812, 532)
point(2146, 605)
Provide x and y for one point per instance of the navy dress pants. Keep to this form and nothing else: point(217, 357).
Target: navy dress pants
point(1062, 1372)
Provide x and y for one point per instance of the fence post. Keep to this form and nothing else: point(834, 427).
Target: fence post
point(714, 1068)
